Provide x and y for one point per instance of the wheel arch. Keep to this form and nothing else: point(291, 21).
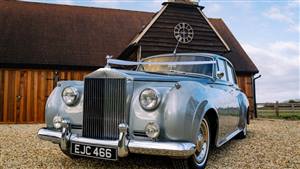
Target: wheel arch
point(213, 120)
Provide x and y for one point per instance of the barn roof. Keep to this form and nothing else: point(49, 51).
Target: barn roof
point(61, 35)
point(35, 33)
point(237, 54)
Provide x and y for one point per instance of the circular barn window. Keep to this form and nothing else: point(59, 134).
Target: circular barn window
point(183, 33)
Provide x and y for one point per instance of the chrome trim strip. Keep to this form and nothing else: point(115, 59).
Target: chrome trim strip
point(229, 137)
point(132, 63)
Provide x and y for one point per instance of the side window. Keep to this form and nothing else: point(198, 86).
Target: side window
point(221, 68)
point(231, 75)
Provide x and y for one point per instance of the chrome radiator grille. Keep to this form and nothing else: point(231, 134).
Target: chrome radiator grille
point(104, 107)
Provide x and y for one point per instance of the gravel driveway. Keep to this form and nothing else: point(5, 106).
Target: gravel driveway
point(270, 144)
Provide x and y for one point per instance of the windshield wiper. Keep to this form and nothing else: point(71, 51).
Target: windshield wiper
point(186, 73)
point(177, 71)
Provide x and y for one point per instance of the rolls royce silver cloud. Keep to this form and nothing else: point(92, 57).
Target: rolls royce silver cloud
point(175, 105)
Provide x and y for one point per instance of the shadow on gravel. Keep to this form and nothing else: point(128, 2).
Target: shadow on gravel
point(132, 161)
point(151, 162)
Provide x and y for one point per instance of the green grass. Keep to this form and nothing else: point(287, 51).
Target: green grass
point(283, 114)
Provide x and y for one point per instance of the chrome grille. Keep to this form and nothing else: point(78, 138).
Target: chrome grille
point(104, 107)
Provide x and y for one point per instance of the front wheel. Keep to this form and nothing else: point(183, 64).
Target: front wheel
point(199, 159)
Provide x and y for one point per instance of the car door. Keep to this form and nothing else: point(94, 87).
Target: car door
point(225, 101)
point(234, 107)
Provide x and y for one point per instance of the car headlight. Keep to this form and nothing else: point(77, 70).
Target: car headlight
point(149, 99)
point(70, 96)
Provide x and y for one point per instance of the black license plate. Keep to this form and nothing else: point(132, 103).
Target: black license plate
point(100, 152)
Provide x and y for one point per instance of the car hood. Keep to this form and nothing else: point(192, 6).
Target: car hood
point(144, 76)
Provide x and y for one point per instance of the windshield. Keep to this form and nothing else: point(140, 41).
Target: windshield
point(204, 69)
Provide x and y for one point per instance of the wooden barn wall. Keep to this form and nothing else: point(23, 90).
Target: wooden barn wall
point(245, 83)
point(160, 39)
point(23, 93)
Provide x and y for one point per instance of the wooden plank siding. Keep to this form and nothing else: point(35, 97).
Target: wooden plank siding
point(245, 83)
point(159, 38)
point(24, 92)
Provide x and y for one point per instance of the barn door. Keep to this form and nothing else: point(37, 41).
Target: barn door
point(34, 91)
point(23, 94)
point(8, 91)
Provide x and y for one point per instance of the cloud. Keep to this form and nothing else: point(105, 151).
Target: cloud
point(288, 14)
point(279, 65)
point(277, 14)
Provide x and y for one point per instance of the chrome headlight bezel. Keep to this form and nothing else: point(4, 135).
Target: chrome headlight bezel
point(152, 94)
point(70, 95)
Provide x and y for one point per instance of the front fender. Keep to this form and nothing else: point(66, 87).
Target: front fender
point(184, 110)
point(56, 106)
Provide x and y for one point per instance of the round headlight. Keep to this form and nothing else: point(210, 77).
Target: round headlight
point(57, 122)
point(149, 99)
point(70, 96)
point(152, 130)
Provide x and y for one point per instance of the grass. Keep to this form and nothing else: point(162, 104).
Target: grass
point(283, 114)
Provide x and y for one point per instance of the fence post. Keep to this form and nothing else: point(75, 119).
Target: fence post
point(293, 107)
point(276, 107)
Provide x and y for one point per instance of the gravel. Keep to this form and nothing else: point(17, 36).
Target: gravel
point(270, 144)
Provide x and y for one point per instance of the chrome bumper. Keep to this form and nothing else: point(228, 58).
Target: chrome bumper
point(125, 146)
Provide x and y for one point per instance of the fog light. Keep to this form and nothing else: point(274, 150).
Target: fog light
point(152, 130)
point(57, 122)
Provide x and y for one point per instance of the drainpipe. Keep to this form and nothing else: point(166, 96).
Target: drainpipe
point(254, 95)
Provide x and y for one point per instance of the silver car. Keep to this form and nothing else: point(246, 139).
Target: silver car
point(176, 105)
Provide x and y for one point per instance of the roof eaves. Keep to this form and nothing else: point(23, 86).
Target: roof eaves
point(138, 38)
point(214, 29)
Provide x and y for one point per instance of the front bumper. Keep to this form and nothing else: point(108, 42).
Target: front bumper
point(124, 145)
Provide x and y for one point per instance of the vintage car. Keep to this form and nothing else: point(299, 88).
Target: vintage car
point(175, 105)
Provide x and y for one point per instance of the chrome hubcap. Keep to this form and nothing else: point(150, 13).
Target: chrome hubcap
point(202, 145)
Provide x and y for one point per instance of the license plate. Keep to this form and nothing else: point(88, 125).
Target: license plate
point(100, 152)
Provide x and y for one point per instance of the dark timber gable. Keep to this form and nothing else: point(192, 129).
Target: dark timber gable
point(158, 36)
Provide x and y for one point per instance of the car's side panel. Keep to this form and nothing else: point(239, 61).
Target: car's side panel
point(244, 108)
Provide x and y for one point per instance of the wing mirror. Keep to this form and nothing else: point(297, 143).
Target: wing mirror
point(220, 74)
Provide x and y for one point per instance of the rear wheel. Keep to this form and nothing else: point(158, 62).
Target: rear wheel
point(199, 159)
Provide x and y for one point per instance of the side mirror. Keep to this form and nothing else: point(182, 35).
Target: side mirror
point(220, 74)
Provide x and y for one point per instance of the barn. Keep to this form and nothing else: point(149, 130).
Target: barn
point(41, 44)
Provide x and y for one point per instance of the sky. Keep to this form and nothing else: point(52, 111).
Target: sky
point(268, 30)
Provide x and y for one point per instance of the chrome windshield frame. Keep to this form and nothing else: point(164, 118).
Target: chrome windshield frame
point(207, 55)
point(144, 62)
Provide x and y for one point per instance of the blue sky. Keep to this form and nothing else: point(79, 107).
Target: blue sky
point(267, 29)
